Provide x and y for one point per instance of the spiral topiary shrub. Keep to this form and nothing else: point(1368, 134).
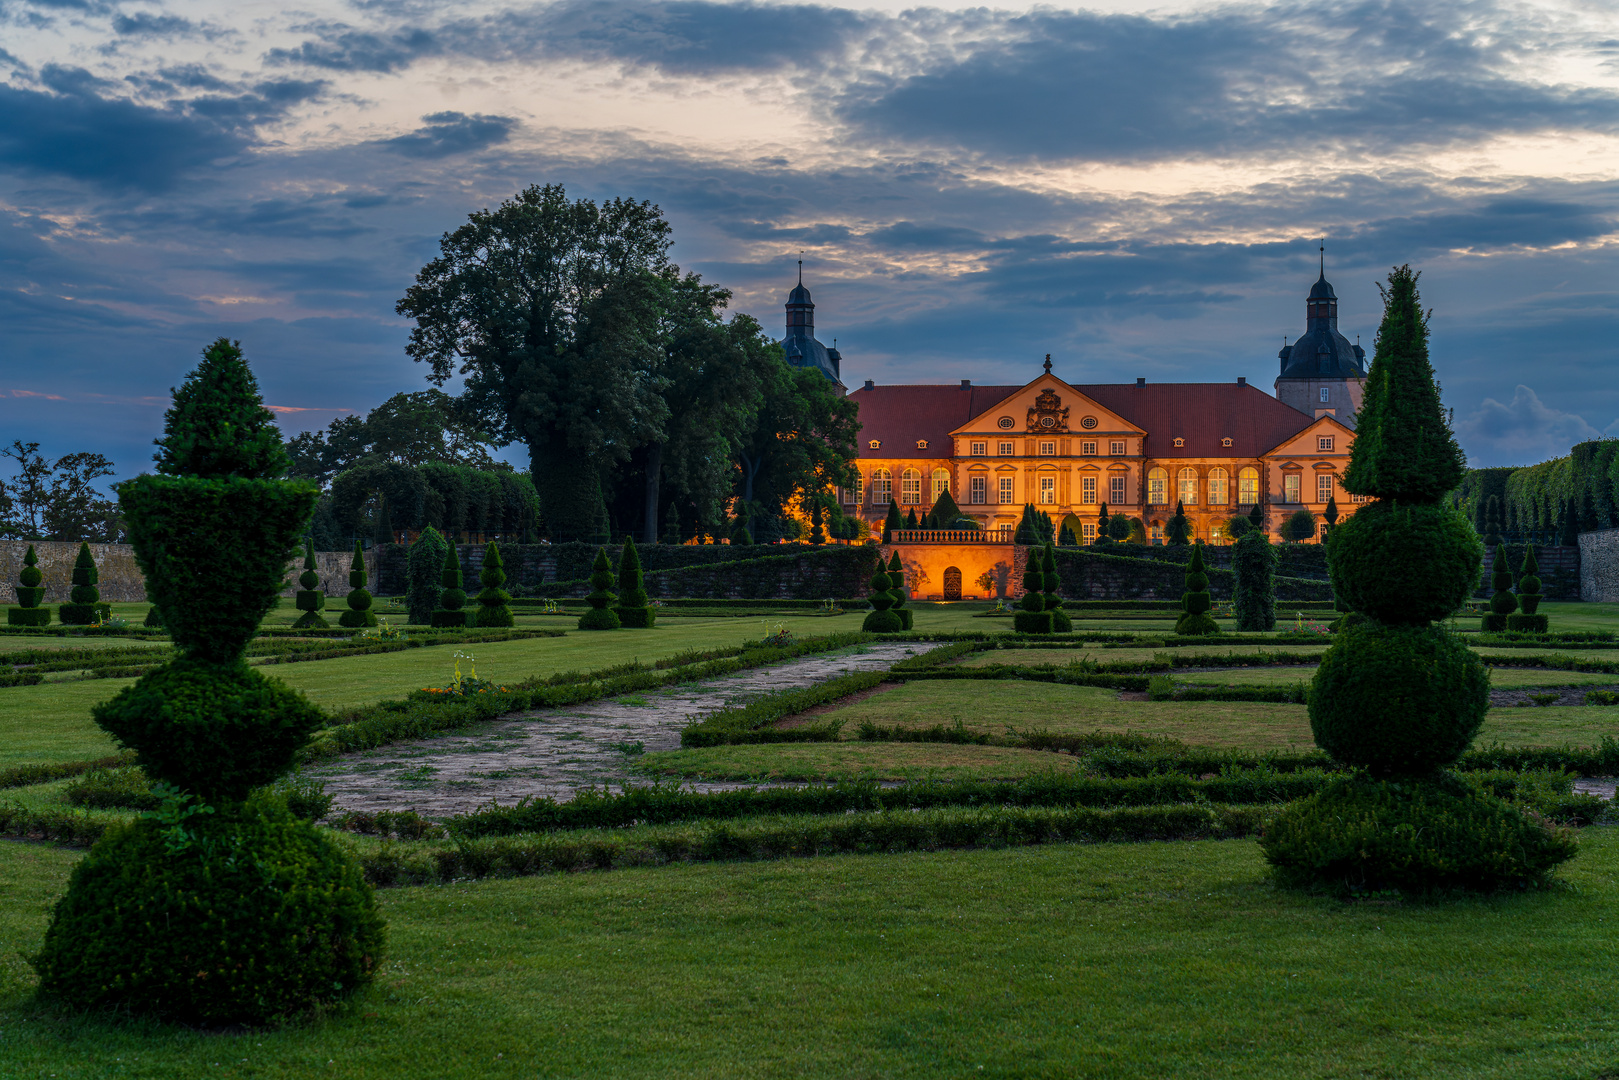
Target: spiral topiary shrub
point(634, 607)
point(309, 599)
point(1032, 616)
point(1502, 601)
point(1529, 597)
point(1061, 623)
point(359, 613)
point(258, 916)
point(451, 597)
point(1363, 834)
point(1404, 562)
point(1197, 600)
point(601, 615)
point(492, 599)
point(30, 595)
point(896, 579)
point(882, 619)
point(82, 610)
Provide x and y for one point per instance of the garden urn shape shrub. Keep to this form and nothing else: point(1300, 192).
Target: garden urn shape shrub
point(882, 619)
point(634, 607)
point(1197, 600)
point(1398, 698)
point(82, 610)
point(1530, 622)
point(452, 599)
point(1503, 602)
point(359, 613)
point(492, 599)
point(30, 595)
point(223, 908)
point(1032, 616)
point(601, 615)
point(310, 600)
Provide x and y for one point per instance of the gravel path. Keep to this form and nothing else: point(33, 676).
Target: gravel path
point(557, 751)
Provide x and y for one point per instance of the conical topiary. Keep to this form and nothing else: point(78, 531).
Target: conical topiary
point(896, 579)
point(1103, 518)
point(882, 619)
point(601, 615)
point(452, 599)
point(85, 596)
point(634, 606)
point(1502, 602)
point(910, 521)
point(1197, 600)
point(492, 599)
point(310, 600)
point(892, 522)
point(1179, 530)
point(30, 595)
point(1060, 622)
point(359, 613)
point(1032, 616)
point(1529, 597)
point(945, 511)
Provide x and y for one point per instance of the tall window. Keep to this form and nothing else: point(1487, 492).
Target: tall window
point(1048, 490)
point(1087, 490)
point(1006, 489)
point(1219, 486)
point(980, 449)
point(941, 482)
point(1290, 487)
point(1048, 449)
point(1323, 486)
point(851, 495)
point(1089, 530)
point(1248, 486)
point(1004, 449)
point(1186, 486)
point(1115, 489)
point(1157, 533)
point(975, 490)
point(882, 487)
point(1116, 448)
point(910, 487)
point(1324, 395)
point(1088, 449)
point(1157, 487)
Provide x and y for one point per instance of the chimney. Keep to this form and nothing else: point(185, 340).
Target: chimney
point(1141, 382)
point(1242, 380)
point(870, 385)
point(966, 384)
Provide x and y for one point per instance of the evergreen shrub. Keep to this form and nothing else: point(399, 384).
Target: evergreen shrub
point(1032, 616)
point(1197, 601)
point(359, 613)
point(425, 569)
point(1364, 835)
point(85, 595)
point(1253, 594)
point(1061, 623)
point(881, 619)
point(310, 600)
point(451, 597)
point(263, 917)
point(634, 608)
point(1178, 533)
point(1398, 699)
point(601, 615)
point(492, 599)
point(896, 577)
point(1502, 602)
point(30, 595)
point(1408, 563)
point(1529, 583)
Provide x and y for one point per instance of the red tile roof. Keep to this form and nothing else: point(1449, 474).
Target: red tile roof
point(1200, 413)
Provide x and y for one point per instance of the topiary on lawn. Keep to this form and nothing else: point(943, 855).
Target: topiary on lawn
point(634, 606)
point(424, 567)
point(30, 595)
point(1253, 595)
point(359, 613)
point(1529, 597)
point(601, 615)
point(896, 577)
point(1052, 583)
point(1299, 526)
point(1395, 695)
point(217, 910)
point(882, 619)
point(82, 610)
point(1502, 602)
point(1179, 530)
point(1197, 600)
point(1032, 616)
point(492, 599)
point(451, 597)
point(309, 600)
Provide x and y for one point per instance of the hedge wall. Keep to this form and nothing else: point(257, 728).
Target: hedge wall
point(1087, 574)
point(810, 573)
point(1293, 560)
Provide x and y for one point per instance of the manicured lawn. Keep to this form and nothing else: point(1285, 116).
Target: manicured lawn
point(1119, 961)
point(1501, 677)
point(1577, 616)
point(851, 760)
point(1224, 647)
point(51, 721)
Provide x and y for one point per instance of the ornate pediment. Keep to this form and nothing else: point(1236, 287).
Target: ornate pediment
point(1048, 414)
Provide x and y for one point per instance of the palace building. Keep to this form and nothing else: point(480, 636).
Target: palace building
point(1217, 448)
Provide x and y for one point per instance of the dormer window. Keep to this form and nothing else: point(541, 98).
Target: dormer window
point(1180, 442)
point(1225, 442)
point(921, 444)
point(876, 444)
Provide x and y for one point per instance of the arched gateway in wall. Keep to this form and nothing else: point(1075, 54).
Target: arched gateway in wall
point(952, 583)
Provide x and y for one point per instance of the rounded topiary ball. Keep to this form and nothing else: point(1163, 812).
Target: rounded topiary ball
point(1406, 563)
point(883, 621)
point(216, 730)
point(1398, 699)
point(235, 917)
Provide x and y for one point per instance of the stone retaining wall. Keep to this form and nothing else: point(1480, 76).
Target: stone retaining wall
point(120, 579)
point(1599, 565)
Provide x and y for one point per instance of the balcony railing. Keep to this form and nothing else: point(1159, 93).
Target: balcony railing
point(952, 536)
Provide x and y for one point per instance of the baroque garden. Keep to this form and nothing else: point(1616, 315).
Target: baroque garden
point(1287, 763)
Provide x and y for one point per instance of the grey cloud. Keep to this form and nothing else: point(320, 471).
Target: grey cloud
point(447, 133)
point(348, 49)
point(1522, 431)
point(145, 24)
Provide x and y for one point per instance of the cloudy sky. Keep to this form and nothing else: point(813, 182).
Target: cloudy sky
point(1135, 189)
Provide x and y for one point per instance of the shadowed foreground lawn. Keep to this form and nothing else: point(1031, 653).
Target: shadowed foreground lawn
point(1150, 961)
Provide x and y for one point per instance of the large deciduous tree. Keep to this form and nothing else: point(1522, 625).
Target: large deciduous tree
point(801, 442)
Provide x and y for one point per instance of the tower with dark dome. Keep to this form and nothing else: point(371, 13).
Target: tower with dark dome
point(1322, 373)
point(800, 345)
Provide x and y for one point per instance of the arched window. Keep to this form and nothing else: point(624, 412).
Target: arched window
point(941, 482)
point(1248, 486)
point(1157, 487)
point(882, 487)
point(1186, 486)
point(910, 487)
point(1219, 486)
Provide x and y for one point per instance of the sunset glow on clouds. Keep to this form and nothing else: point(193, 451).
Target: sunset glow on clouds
point(1136, 191)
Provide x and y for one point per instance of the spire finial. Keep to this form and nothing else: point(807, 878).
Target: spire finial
point(1048, 363)
point(1323, 258)
point(801, 271)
